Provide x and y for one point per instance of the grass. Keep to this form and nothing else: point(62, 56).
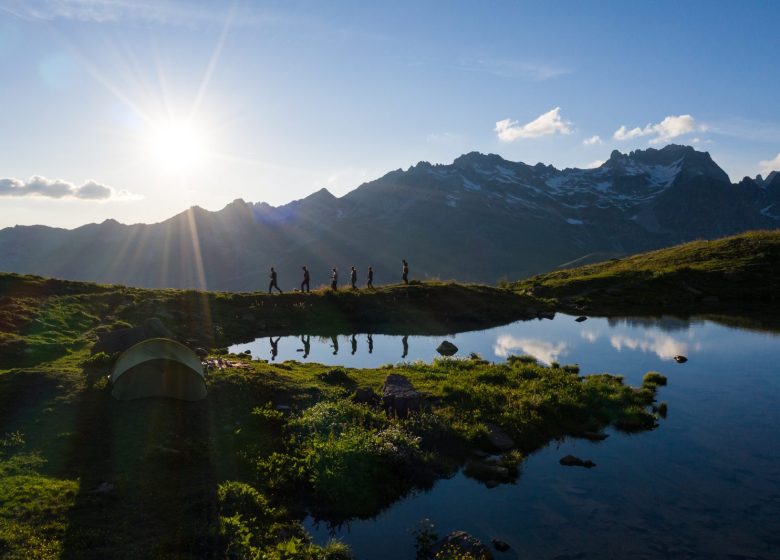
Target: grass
point(734, 274)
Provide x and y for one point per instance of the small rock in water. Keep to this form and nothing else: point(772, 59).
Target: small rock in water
point(680, 359)
point(572, 461)
point(546, 315)
point(447, 348)
point(500, 545)
point(498, 438)
point(581, 318)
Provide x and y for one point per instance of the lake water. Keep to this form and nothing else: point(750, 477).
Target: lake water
point(705, 484)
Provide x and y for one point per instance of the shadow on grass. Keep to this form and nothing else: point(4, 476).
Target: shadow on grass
point(147, 480)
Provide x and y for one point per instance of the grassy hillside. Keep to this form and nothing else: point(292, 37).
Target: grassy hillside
point(736, 274)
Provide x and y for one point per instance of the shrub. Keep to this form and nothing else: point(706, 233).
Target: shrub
point(654, 378)
point(99, 359)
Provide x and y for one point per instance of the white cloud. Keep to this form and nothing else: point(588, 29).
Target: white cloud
point(668, 129)
point(548, 123)
point(662, 345)
point(767, 166)
point(590, 336)
point(542, 350)
point(595, 139)
point(594, 164)
point(41, 187)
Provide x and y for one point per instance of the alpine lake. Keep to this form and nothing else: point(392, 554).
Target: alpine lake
point(704, 484)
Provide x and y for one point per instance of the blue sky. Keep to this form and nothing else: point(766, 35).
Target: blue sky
point(138, 110)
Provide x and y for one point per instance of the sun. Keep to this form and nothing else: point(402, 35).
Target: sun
point(177, 147)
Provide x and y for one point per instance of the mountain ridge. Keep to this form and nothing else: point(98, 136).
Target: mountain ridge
point(479, 218)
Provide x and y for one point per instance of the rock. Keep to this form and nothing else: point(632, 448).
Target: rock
point(201, 352)
point(447, 348)
point(680, 359)
point(581, 318)
point(248, 352)
point(365, 396)
point(546, 315)
point(572, 461)
point(500, 545)
point(399, 396)
point(460, 544)
point(487, 472)
point(498, 438)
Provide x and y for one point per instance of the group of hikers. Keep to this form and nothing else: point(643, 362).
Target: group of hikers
point(334, 278)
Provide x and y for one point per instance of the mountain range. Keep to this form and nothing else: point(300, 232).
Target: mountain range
point(480, 218)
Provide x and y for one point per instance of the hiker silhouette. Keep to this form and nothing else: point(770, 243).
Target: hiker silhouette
point(405, 271)
point(273, 283)
point(370, 282)
point(353, 278)
point(334, 279)
point(305, 280)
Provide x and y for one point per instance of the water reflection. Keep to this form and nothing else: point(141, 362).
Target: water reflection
point(663, 346)
point(704, 486)
point(544, 351)
point(274, 347)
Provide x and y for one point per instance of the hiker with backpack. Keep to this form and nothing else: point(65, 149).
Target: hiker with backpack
point(273, 283)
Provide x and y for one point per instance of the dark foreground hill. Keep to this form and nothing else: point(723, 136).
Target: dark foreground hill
point(480, 218)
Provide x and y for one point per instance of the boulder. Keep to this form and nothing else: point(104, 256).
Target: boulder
point(459, 544)
point(500, 545)
point(680, 359)
point(498, 438)
point(581, 318)
point(365, 396)
point(572, 461)
point(399, 396)
point(447, 348)
point(201, 352)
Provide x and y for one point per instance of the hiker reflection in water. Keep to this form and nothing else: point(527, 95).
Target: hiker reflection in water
point(305, 339)
point(405, 272)
point(335, 340)
point(370, 344)
point(353, 341)
point(405, 342)
point(274, 346)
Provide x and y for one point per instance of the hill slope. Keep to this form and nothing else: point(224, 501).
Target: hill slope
point(735, 274)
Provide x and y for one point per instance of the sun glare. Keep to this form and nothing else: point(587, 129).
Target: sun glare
point(177, 147)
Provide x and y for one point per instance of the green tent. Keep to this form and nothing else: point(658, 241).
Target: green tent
point(158, 367)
